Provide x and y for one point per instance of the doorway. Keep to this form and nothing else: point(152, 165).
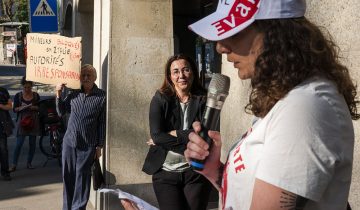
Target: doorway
point(186, 12)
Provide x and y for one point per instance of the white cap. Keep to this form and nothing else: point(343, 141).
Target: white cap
point(232, 16)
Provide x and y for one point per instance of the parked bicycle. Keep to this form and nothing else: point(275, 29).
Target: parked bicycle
point(50, 142)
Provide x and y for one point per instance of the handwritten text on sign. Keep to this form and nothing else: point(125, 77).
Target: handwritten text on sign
point(53, 59)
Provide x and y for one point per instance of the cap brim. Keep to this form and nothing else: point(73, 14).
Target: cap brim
point(225, 23)
point(206, 28)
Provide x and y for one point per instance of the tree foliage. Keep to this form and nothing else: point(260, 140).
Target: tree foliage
point(22, 13)
point(7, 7)
point(12, 10)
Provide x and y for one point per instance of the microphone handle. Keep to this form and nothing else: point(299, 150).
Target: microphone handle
point(199, 164)
point(211, 118)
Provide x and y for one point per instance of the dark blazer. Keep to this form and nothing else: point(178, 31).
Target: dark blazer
point(164, 116)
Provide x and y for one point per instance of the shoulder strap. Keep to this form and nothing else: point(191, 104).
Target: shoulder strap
point(20, 101)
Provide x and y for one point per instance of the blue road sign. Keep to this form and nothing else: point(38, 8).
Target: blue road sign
point(43, 16)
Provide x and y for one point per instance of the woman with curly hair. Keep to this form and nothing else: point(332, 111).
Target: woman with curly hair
point(298, 154)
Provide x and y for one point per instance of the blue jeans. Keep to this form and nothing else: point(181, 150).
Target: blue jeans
point(19, 142)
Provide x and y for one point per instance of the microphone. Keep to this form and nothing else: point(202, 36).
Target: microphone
point(217, 92)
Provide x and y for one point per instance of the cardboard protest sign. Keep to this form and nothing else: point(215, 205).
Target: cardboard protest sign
point(53, 59)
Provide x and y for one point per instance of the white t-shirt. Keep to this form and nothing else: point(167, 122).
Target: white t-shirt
point(303, 145)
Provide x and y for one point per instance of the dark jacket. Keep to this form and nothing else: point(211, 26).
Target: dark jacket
point(87, 121)
point(164, 116)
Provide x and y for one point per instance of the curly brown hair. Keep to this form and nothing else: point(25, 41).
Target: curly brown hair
point(293, 51)
point(168, 88)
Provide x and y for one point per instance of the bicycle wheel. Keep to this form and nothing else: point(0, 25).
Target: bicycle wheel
point(50, 145)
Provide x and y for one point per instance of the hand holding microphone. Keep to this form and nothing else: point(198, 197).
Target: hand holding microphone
point(198, 149)
point(199, 144)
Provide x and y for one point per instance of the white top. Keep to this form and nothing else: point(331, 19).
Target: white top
point(303, 145)
point(176, 162)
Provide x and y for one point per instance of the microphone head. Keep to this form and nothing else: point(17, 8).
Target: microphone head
point(219, 84)
point(218, 90)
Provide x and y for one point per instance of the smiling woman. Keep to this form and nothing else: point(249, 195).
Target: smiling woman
point(182, 79)
point(175, 106)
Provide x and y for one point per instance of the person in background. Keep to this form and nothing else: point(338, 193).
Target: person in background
point(5, 106)
point(84, 137)
point(25, 105)
point(298, 154)
point(175, 106)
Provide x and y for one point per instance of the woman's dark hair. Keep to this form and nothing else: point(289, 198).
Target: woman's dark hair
point(295, 50)
point(168, 88)
point(24, 81)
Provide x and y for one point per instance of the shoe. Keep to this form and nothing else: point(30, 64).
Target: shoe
point(29, 166)
point(6, 177)
point(12, 168)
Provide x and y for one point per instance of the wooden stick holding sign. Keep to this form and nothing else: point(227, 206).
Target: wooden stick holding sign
point(53, 59)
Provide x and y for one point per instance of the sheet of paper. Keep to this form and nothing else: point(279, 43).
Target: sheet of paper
point(25, 107)
point(52, 58)
point(141, 204)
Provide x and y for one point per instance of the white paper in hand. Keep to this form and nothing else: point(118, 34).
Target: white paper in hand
point(21, 108)
point(141, 204)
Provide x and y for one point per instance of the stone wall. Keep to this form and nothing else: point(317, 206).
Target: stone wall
point(341, 19)
point(140, 42)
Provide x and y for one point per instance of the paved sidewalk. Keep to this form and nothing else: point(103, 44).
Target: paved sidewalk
point(37, 189)
point(32, 189)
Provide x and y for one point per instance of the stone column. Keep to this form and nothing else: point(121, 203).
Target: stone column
point(141, 40)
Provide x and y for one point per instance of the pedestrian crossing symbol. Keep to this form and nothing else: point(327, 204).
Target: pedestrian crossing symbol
point(43, 9)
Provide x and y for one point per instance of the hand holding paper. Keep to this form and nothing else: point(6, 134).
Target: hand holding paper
point(140, 204)
point(21, 108)
point(128, 205)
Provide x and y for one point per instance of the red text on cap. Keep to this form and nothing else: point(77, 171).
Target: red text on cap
point(241, 11)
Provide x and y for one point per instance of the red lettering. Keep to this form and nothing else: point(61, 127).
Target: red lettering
point(53, 73)
point(238, 159)
point(69, 43)
point(74, 56)
point(37, 71)
point(237, 150)
point(240, 168)
point(240, 13)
